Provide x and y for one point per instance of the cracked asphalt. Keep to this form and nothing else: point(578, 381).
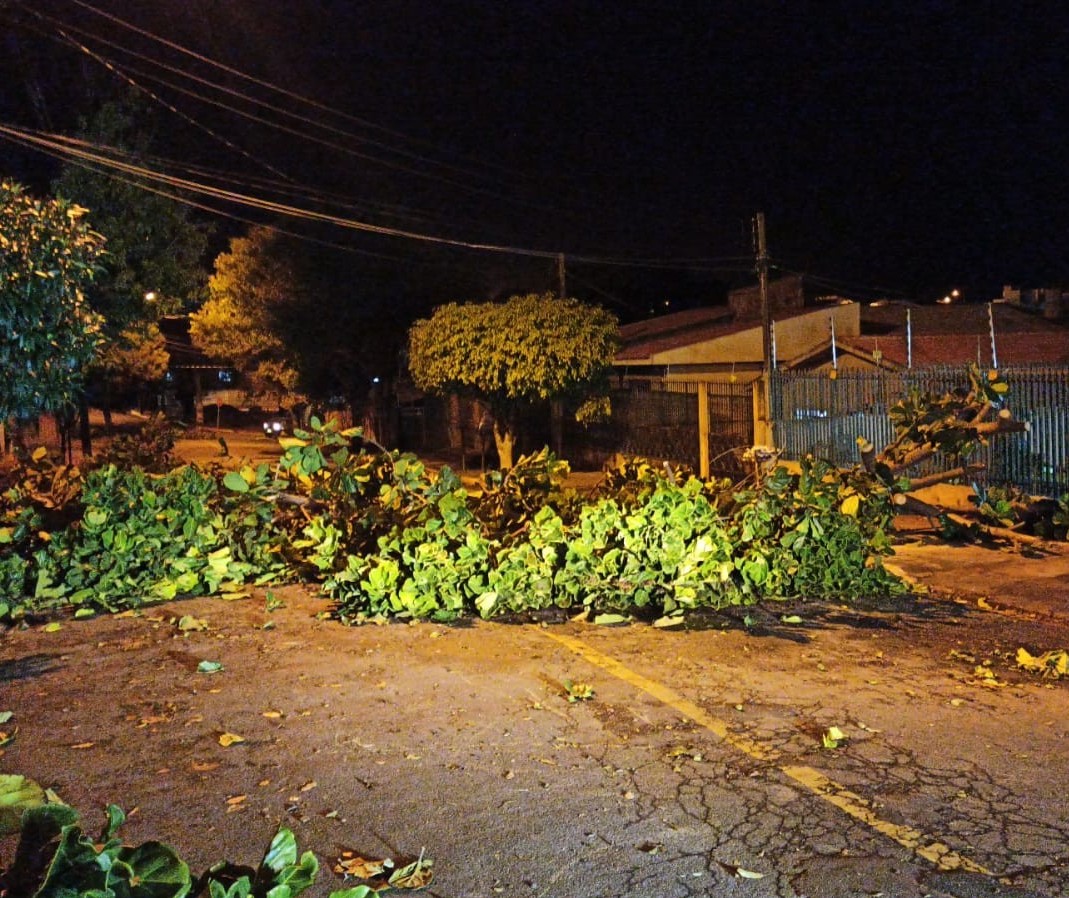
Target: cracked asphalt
point(697, 768)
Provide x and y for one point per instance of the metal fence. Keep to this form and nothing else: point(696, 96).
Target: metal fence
point(813, 414)
point(661, 420)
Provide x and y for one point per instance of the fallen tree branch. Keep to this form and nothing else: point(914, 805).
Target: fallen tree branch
point(919, 483)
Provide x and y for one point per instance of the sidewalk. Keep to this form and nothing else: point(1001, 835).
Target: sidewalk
point(1035, 581)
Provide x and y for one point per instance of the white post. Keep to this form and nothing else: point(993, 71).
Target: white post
point(991, 325)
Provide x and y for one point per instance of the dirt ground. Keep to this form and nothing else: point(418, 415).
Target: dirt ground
point(696, 768)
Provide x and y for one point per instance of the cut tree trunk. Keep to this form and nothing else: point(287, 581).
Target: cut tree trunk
point(505, 440)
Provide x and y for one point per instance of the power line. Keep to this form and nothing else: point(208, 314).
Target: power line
point(74, 150)
point(266, 84)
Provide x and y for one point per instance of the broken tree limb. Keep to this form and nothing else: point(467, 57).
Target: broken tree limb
point(919, 483)
point(868, 454)
point(906, 504)
point(1002, 532)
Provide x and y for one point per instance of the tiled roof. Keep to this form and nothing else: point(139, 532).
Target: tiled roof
point(1014, 348)
point(967, 318)
point(644, 339)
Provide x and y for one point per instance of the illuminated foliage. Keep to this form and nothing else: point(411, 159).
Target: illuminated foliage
point(48, 333)
point(514, 354)
point(237, 323)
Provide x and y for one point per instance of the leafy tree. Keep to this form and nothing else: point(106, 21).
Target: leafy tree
point(154, 261)
point(527, 350)
point(138, 356)
point(48, 332)
point(285, 314)
point(238, 322)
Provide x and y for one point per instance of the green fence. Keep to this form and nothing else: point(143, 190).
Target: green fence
point(813, 414)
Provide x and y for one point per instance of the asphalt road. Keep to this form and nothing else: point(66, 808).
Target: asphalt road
point(697, 767)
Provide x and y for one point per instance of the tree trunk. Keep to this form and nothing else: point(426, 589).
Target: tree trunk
point(505, 440)
point(83, 425)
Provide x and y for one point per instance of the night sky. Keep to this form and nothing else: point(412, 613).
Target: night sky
point(896, 149)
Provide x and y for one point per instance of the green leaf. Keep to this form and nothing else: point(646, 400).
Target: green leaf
point(234, 482)
point(17, 793)
point(833, 737)
point(281, 852)
point(611, 620)
point(158, 872)
point(209, 667)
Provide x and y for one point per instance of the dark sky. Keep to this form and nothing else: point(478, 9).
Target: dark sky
point(900, 148)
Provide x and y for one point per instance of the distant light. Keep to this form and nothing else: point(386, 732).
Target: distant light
point(945, 301)
point(374, 380)
point(150, 296)
point(877, 304)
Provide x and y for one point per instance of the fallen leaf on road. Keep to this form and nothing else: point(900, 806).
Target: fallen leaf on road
point(740, 872)
point(1050, 664)
point(578, 692)
point(84, 745)
point(417, 875)
point(228, 739)
point(362, 868)
point(187, 623)
point(833, 737)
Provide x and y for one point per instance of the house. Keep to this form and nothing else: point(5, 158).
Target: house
point(718, 343)
point(727, 343)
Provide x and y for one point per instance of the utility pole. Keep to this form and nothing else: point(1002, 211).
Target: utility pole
point(560, 274)
point(766, 316)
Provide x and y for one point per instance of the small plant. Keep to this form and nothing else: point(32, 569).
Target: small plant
point(56, 859)
point(150, 447)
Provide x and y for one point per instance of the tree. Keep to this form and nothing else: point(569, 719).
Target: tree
point(512, 355)
point(48, 332)
point(237, 324)
point(154, 261)
point(136, 358)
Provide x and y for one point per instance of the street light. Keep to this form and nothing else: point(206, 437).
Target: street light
point(952, 296)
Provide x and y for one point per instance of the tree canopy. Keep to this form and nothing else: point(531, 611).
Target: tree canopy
point(155, 258)
point(48, 332)
point(237, 323)
point(154, 263)
point(514, 354)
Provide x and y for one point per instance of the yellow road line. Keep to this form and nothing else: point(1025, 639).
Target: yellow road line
point(832, 792)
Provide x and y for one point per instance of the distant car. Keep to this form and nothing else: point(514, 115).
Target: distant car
point(275, 427)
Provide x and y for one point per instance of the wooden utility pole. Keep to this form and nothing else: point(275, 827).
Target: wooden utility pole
point(766, 317)
point(556, 406)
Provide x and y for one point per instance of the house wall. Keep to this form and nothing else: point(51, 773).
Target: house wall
point(796, 337)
